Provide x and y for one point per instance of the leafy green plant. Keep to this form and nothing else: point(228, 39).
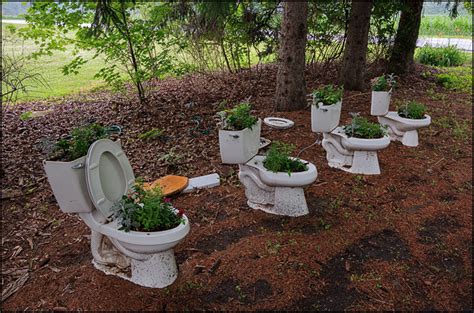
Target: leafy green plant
point(444, 56)
point(278, 159)
point(146, 210)
point(237, 118)
point(384, 83)
point(412, 110)
point(327, 95)
point(27, 115)
point(360, 127)
point(151, 134)
point(77, 145)
point(456, 78)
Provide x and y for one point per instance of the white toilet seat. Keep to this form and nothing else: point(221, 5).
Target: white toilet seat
point(108, 175)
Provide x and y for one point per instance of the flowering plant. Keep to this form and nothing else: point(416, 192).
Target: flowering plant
point(146, 210)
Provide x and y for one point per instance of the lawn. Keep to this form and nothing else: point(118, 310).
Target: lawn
point(50, 68)
point(444, 26)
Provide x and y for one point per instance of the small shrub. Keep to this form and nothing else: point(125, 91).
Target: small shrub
point(384, 83)
point(445, 56)
point(146, 210)
point(151, 134)
point(360, 127)
point(78, 143)
point(327, 95)
point(278, 159)
point(27, 115)
point(412, 110)
point(456, 78)
point(237, 118)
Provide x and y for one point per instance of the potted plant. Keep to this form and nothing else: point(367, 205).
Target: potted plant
point(326, 108)
point(412, 110)
point(65, 167)
point(278, 159)
point(146, 210)
point(239, 134)
point(362, 128)
point(382, 88)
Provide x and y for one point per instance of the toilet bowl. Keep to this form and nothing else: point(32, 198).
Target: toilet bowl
point(403, 129)
point(145, 258)
point(353, 155)
point(276, 193)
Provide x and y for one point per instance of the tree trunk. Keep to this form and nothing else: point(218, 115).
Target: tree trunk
point(403, 50)
point(290, 94)
point(355, 52)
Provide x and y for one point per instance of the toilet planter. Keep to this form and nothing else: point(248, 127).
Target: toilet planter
point(65, 169)
point(326, 109)
point(147, 211)
point(353, 148)
point(239, 134)
point(274, 183)
point(382, 87)
point(403, 124)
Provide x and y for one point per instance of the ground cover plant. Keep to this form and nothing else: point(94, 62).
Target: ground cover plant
point(385, 82)
point(361, 127)
point(327, 95)
point(412, 110)
point(278, 159)
point(443, 56)
point(146, 210)
point(237, 118)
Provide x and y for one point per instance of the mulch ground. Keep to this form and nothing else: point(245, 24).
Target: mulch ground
point(400, 240)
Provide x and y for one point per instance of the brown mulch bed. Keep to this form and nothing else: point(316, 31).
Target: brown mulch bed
point(401, 240)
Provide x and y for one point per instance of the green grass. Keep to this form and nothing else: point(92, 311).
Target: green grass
point(444, 26)
point(50, 68)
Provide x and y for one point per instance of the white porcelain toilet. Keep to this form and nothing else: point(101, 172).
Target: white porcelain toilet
point(403, 129)
point(276, 193)
point(353, 155)
point(100, 179)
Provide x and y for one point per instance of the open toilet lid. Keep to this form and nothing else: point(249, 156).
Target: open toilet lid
point(108, 174)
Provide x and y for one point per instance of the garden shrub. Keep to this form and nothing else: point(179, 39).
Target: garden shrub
point(445, 56)
point(278, 159)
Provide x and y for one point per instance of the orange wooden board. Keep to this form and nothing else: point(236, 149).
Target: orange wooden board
point(169, 184)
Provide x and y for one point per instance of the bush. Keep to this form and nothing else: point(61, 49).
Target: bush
point(278, 159)
point(238, 118)
point(412, 110)
point(78, 143)
point(327, 95)
point(360, 127)
point(457, 78)
point(445, 56)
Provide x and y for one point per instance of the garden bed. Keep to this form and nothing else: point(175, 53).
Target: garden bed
point(400, 240)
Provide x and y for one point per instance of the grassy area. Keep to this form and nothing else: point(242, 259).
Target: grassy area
point(459, 77)
point(50, 68)
point(444, 26)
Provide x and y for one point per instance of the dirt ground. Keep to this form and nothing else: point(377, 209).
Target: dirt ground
point(401, 240)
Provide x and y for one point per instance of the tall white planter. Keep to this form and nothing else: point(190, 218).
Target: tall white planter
point(325, 118)
point(237, 147)
point(380, 102)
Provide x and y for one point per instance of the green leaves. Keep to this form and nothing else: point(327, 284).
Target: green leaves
point(384, 83)
point(81, 138)
point(445, 56)
point(278, 159)
point(239, 117)
point(327, 95)
point(362, 128)
point(412, 110)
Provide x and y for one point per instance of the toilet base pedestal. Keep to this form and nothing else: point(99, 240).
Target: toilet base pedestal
point(288, 201)
point(158, 271)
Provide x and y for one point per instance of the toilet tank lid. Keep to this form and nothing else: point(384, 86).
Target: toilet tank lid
point(108, 174)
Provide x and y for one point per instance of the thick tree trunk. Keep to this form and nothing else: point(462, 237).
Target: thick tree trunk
point(355, 53)
point(290, 92)
point(403, 50)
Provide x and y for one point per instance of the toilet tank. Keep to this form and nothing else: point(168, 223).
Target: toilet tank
point(68, 182)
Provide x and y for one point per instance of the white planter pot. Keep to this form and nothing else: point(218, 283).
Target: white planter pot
point(380, 102)
point(325, 118)
point(68, 182)
point(237, 147)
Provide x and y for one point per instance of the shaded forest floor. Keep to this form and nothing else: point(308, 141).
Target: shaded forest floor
point(401, 240)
